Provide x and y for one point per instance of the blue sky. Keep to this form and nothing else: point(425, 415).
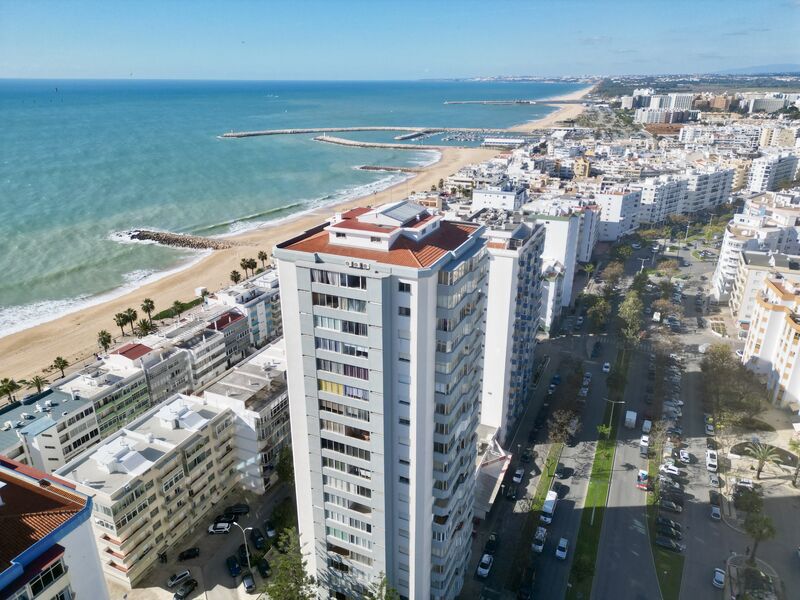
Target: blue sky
point(360, 39)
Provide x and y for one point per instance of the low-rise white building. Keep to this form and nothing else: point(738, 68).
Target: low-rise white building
point(754, 268)
point(619, 213)
point(505, 196)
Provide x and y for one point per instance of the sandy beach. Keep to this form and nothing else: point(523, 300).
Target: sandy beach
point(565, 112)
point(74, 336)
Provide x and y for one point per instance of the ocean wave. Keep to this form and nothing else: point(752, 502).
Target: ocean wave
point(18, 318)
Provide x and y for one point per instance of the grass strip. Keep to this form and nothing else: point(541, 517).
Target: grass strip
point(581, 574)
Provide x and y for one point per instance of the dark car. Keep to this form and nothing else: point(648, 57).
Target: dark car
point(189, 553)
point(513, 492)
point(243, 553)
point(560, 489)
point(238, 509)
point(269, 527)
point(673, 534)
point(665, 522)
point(532, 436)
point(714, 497)
point(526, 457)
point(675, 496)
point(187, 587)
point(491, 544)
point(669, 544)
point(225, 519)
point(711, 444)
point(563, 472)
point(263, 567)
point(670, 506)
point(258, 539)
point(248, 582)
point(233, 566)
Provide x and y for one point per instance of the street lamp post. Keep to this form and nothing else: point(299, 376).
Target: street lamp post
point(611, 417)
point(244, 535)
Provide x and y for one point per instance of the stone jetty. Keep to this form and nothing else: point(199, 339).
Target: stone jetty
point(179, 240)
point(329, 139)
point(392, 169)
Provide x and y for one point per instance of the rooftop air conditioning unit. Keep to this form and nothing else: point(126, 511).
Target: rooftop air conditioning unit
point(6, 426)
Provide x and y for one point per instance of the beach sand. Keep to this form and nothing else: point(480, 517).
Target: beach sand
point(74, 336)
point(565, 112)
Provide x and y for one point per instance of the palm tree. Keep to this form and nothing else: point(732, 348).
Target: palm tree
point(263, 256)
point(759, 527)
point(245, 264)
point(177, 308)
point(144, 327)
point(763, 453)
point(121, 320)
point(104, 339)
point(36, 381)
point(251, 262)
point(588, 268)
point(8, 387)
point(131, 315)
point(236, 277)
point(794, 446)
point(148, 306)
point(60, 363)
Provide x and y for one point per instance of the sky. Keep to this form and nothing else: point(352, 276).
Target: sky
point(384, 39)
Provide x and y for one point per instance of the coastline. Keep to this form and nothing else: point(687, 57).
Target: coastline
point(73, 336)
point(564, 112)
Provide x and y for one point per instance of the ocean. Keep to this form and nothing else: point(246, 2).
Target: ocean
point(83, 160)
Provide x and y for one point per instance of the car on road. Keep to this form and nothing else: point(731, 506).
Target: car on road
point(714, 498)
point(185, 590)
point(711, 460)
point(248, 582)
point(669, 532)
point(665, 522)
point(636, 246)
point(670, 506)
point(234, 568)
point(178, 577)
point(716, 513)
point(669, 544)
point(263, 567)
point(189, 553)
point(719, 579)
point(584, 392)
point(539, 538)
point(484, 566)
point(709, 429)
point(562, 548)
point(683, 456)
point(491, 543)
point(713, 480)
point(225, 519)
point(238, 509)
point(518, 475)
point(607, 367)
point(587, 375)
point(556, 379)
point(217, 528)
point(269, 527)
point(642, 480)
point(669, 470)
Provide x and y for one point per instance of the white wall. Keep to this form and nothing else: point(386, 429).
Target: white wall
point(83, 560)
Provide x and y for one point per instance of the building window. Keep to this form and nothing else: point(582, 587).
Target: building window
point(46, 578)
point(374, 239)
point(404, 287)
point(404, 311)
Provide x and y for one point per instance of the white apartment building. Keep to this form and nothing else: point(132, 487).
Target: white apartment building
point(754, 268)
point(256, 393)
point(552, 288)
point(207, 355)
point(661, 197)
point(383, 314)
point(499, 197)
point(259, 300)
point(152, 481)
point(769, 172)
point(48, 550)
point(619, 213)
point(512, 320)
point(767, 105)
point(48, 429)
point(680, 101)
point(562, 236)
point(706, 189)
point(773, 341)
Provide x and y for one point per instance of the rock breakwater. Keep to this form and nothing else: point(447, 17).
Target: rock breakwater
point(178, 240)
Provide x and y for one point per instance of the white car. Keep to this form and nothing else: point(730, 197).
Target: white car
point(551, 389)
point(587, 375)
point(584, 391)
point(683, 454)
point(713, 480)
point(669, 470)
point(219, 528)
point(561, 549)
point(518, 475)
point(607, 367)
point(711, 461)
point(178, 577)
point(709, 429)
point(719, 578)
point(716, 515)
point(484, 566)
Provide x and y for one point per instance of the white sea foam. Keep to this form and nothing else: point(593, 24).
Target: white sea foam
point(19, 318)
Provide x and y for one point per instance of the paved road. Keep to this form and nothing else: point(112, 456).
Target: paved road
point(624, 553)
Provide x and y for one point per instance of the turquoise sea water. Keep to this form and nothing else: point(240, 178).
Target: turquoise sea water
point(81, 160)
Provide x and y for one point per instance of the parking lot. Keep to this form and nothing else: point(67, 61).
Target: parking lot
point(209, 568)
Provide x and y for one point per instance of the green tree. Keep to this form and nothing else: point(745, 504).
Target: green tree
point(640, 280)
point(613, 273)
point(558, 426)
point(667, 288)
point(263, 256)
point(60, 363)
point(669, 267)
point(236, 277)
point(763, 453)
point(630, 311)
point(104, 339)
point(8, 387)
point(121, 320)
point(144, 327)
point(794, 446)
point(148, 306)
point(177, 308)
point(441, 184)
point(599, 313)
point(245, 265)
point(588, 268)
point(289, 580)
point(131, 315)
point(285, 466)
point(603, 430)
point(251, 262)
point(36, 381)
point(760, 528)
point(749, 501)
point(622, 252)
point(380, 589)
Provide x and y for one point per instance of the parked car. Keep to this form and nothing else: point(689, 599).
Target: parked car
point(248, 582)
point(711, 460)
point(189, 553)
point(716, 513)
point(526, 457)
point(719, 579)
point(713, 480)
point(562, 548)
point(233, 566)
point(243, 554)
point(484, 566)
point(269, 527)
point(258, 539)
point(667, 483)
point(518, 475)
point(673, 534)
point(185, 589)
point(238, 509)
point(665, 522)
point(491, 543)
point(225, 519)
point(714, 498)
point(683, 456)
point(178, 577)
point(709, 429)
point(669, 544)
point(217, 528)
point(669, 470)
point(607, 367)
point(263, 567)
point(670, 506)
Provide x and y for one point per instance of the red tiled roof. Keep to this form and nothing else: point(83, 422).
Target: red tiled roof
point(132, 351)
point(405, 252)
point(19, 467)
point(225, 320)
point(31, 511)
point(356, 212)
